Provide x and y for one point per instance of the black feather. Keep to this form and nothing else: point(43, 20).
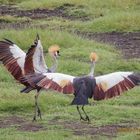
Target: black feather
point(9, 41)
point(135, 78)
point(26, 90)
point(83, 89)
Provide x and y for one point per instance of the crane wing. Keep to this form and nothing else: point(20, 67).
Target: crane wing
point(110, 85)
point(34, 61)
point(56, 81)
point(12, 57)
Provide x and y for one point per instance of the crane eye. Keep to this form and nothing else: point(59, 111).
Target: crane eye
point(58, 53)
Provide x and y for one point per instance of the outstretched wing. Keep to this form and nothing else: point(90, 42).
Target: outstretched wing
point(12, 57)
point(56, 81)
point(34, 61)
point(110, 85)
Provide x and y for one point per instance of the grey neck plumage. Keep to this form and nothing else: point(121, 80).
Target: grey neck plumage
point(55, 64)
point(92, 69)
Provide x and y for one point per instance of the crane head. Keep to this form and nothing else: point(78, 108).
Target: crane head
point(54, 51)
point(93, 57)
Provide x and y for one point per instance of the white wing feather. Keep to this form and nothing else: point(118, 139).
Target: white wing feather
point(38, 59)
point(112, 79)
point(57, 77)
point(18, 54)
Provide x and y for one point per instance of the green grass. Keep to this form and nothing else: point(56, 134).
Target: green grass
point(74, 60)
point(91, 4)
point(12, 19)
point(118, 22)
point(122, 110)
point(74, 50)
point(116, 15)
point(121, 15)
point(105, 16)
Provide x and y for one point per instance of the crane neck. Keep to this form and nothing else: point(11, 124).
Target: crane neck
point(54, 65)
point(92, 69)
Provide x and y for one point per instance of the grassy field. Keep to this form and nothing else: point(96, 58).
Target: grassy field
point(117, 118)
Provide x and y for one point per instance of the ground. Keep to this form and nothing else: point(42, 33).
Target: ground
point(128, 42)
point(77, 128)
point(114, 119)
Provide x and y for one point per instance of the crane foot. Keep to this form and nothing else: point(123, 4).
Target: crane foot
point(34, 119)
point(81, 118)
point(87, 119)
point(39, 114)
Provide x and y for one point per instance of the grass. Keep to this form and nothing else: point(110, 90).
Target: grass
point(121, 15)
point(74, 60)
point(118, 110)
point(118, 22)
point(91, 4)
point(74, 50)
point(12, 19)
point(105, 16)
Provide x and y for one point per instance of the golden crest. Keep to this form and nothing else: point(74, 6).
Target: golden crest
point(53, 48)
point(93, 57)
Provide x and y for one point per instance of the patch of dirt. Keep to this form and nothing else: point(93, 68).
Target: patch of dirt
point(20, 123)
point(30, 127)
point(42, 13)
point(17, 25)
point(78, 128)
point(9, 121)
point(128, 43)
point(82, 128)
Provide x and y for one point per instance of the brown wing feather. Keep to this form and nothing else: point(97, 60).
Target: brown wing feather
point(41, 81)
point(100, 94)
point(9, 61)
point(28, 66)
point(50, 84)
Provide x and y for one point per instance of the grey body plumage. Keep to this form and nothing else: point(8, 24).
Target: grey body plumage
point(83, 89)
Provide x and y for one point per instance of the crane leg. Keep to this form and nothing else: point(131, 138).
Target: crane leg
point(81, 118)
point(37, 109)
point(87, 117)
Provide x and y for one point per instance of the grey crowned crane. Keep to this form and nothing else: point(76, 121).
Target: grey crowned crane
point(19, 63)
point(34, 63)
point(98, 88)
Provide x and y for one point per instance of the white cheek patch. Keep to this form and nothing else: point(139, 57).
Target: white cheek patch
point(56, 54)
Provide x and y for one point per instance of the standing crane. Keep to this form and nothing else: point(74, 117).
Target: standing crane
point(98, 88)
point(18, 63)
point(32, 65)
